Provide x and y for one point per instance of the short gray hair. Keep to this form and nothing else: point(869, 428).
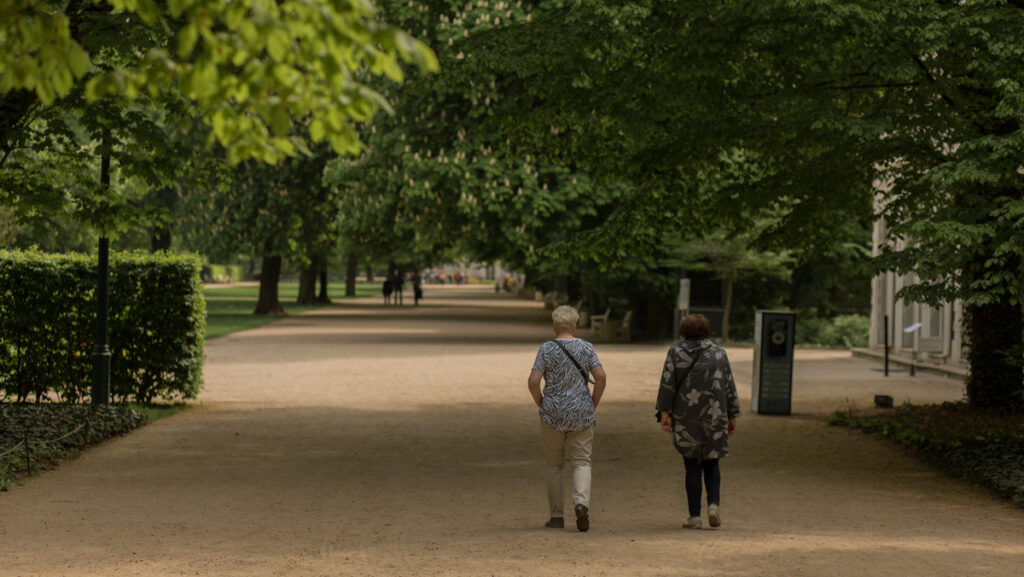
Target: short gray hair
point(565, 317)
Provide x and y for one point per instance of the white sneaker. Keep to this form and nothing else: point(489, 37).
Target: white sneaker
point(693, 523)
point(714, 518)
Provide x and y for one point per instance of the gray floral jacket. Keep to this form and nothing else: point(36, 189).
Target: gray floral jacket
point(701, 399)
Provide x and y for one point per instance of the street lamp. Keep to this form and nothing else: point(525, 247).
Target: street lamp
point(101, 348)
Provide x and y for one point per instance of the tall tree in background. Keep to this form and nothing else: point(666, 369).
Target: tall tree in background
point(319, 230)
point(276, 214)
point(729, 257)
point(108, 77)
point(812, 104)
point(78, 76)
point(433, 180)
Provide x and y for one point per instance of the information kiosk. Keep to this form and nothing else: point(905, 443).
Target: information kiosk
point(773, 363)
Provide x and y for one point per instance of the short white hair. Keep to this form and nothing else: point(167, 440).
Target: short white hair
point(565, 318)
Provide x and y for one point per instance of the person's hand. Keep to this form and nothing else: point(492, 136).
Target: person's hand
point(666, 422)
point(732, 426)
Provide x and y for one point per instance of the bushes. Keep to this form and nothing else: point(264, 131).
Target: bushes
point(843, 331)
point(47, 315)
point(984, 446)
point(54, 432)
point(223, 273)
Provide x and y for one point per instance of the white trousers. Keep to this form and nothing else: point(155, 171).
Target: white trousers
point(578, 445)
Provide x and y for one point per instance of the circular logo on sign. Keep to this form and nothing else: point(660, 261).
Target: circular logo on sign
point(778, 337)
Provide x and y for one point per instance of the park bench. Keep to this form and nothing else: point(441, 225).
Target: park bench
point(621, 329)
point(598, 321)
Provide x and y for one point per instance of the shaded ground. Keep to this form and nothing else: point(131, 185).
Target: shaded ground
point(358, 440)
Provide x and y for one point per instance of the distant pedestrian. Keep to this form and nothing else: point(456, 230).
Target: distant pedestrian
point(567, 410)
point(399, 284)
point(387, 289)
point(697, 403)
point(417, 289)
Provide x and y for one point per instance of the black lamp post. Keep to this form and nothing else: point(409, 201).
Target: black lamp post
point(101, 348)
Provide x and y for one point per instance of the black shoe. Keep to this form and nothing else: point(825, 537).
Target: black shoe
point(582, 518)
point(555, 523)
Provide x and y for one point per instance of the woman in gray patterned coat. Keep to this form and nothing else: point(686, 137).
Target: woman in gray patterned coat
point(697, 403)
point(567, 412)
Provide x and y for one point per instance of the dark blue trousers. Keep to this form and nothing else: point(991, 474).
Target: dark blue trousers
point(712, 477)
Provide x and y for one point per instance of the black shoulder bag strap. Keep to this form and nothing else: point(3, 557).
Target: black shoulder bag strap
point(586, 378)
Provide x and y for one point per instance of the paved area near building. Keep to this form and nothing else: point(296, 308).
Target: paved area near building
point(359, 440)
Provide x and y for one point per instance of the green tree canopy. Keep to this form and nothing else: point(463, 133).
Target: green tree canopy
point(250, 66)
point(809, 108)
point(125, 79)
point(434, 178)
point(729, 257)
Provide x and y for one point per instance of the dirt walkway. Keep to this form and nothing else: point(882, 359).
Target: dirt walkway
point(363, 441)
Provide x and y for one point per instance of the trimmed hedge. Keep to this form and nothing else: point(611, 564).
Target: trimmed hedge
point(47, 316)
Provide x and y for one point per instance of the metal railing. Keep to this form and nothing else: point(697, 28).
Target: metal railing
point(26, 444)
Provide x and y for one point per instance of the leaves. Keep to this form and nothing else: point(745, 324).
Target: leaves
point(722, 112)
point(37, 52)
point(985, 446)
point(434, 176)
point(252, 59)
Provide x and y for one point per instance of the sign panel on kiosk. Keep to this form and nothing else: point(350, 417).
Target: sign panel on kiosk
point(773, 363)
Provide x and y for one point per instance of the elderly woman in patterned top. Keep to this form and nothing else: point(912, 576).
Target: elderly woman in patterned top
point(567, 412)
point(697, 403)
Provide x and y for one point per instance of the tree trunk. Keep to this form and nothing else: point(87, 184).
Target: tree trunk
point(162, 198)
point(995, 378)
point(728, 309)
point(351, 268)
point(16, 108)
point(657, 317)
point(269, 304)
point(572, 288)
point(307, 283)
point(369, 272)
point(322, 298)
point(161, 240)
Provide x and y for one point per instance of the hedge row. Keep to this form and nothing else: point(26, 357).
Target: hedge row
point(47, 320)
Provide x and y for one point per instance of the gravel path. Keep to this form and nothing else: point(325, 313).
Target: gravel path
point(359, 440)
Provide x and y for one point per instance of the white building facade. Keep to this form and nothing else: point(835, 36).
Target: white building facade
point(925, 333)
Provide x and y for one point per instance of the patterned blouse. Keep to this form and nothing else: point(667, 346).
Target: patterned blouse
point(567, 404)
point(701, 396)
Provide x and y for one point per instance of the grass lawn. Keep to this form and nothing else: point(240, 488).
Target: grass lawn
point(229, 309)
point(155, 412)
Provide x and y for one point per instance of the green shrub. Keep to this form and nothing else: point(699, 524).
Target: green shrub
point(984, 446)
point(809, 329)
point(844, 331)
point(55, 432)
point(47, 317)
point(223, 273)
point(848, 331)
